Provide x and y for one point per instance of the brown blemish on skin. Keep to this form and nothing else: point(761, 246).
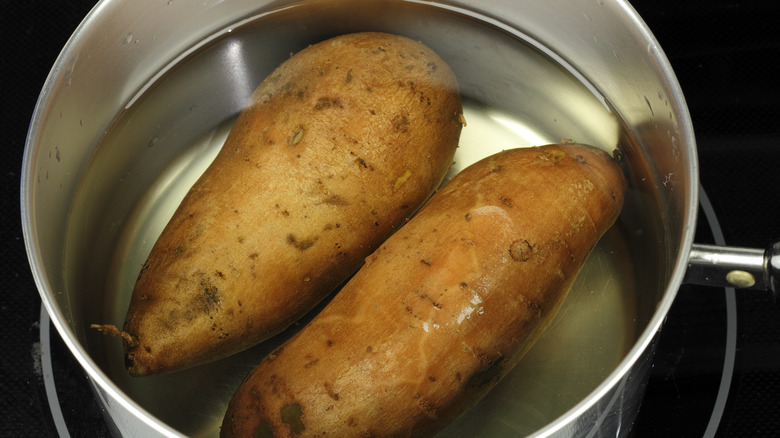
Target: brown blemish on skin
point(264, 430)
point(291, 415)
point(426, 406)
point(336, 200)
point(534, 308)
point(302, 245)
point(327, 102)
point(362, 164)
point(507, 201)
point(435, 304)
point(331, 393)
point(551, 157)
point(208, 299)
point(400, 123)
point(520, 250)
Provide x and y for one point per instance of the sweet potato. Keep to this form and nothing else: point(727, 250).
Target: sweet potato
point(340, 144)
point(444, 308)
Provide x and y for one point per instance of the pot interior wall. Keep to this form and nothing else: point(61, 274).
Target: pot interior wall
point(517, 91)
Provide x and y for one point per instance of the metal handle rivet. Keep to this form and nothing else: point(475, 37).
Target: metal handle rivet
point(741, 279)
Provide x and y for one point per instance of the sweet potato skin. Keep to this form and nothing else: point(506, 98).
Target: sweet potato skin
point(341, 143)
point(444, 308)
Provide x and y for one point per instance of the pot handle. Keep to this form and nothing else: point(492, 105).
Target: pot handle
point(744, 268)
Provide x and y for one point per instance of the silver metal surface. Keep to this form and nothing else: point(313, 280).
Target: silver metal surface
point(81, 190)
point(727, 267)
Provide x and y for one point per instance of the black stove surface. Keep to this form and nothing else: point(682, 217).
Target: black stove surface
point(717, 368)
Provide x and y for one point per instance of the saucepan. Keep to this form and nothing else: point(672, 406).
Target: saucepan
point(144, 93)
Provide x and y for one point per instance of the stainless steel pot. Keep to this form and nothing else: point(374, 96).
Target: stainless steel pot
point(143, 93)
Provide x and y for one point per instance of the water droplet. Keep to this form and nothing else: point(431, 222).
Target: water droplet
point(128, 38)
point(153, 141)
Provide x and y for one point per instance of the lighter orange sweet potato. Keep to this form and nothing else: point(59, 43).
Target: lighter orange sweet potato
point(341, 143)
point(444, 308)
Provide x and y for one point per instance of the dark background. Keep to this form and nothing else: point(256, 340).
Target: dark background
point(726, 55)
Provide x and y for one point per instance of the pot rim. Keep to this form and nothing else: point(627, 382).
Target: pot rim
point(102, 383)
